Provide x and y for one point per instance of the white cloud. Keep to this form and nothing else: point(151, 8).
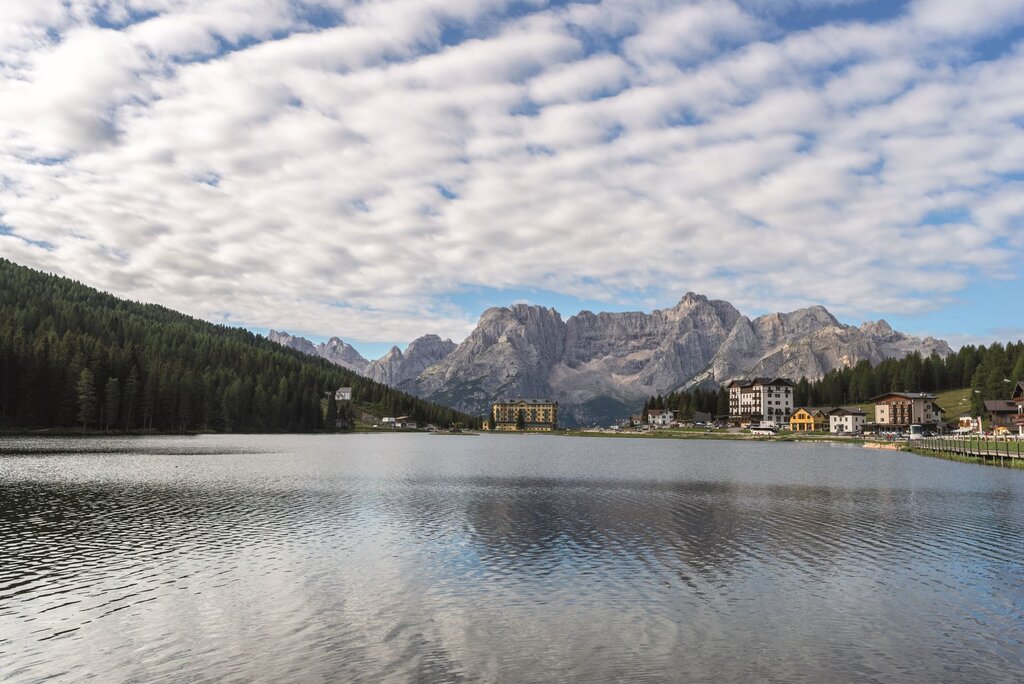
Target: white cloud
point(350, 179)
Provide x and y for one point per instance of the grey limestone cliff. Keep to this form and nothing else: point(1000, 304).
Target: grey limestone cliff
point(334, 350)
point(601, 365)
point(397, 368)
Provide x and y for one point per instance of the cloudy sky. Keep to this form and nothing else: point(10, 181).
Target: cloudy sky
point(382, 169)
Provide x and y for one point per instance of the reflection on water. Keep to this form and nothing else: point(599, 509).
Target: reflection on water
point(395, 557)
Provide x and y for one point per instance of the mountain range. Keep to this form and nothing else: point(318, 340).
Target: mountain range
point(603, 365)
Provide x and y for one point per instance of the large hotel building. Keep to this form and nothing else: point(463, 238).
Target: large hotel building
point(536, 416)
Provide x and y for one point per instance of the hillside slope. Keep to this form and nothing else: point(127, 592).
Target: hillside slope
point(65, 347)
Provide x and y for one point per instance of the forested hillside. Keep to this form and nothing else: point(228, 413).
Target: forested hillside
point(73, 356)
point(989, 371)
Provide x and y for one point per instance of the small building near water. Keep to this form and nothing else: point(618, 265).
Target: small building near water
point(846, 420)
point(661, 418)
point(810, 418)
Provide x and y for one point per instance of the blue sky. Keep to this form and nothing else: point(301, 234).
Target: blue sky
point(380, 170)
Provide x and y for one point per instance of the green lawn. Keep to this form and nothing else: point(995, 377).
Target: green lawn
point(953, 402)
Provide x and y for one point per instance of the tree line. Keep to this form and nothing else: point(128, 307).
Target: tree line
point(71, 355)
point(990, 371)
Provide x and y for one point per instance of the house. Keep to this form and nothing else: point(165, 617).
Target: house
point(760, 399)
point(529, 415)
point(810, 418)
point(846, 419)
point(903, 409)
point(1018, 398)
point(1018, 393)
point(343, 394)
point(661, 418)
point(388, 421)
point(1001, 413)
point(405, 422)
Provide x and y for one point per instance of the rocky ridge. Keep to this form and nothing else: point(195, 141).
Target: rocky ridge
point(601, 365)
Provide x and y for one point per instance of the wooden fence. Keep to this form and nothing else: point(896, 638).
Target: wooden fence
point(987, 448)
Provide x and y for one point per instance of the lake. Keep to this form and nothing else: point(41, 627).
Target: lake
point(518, 558)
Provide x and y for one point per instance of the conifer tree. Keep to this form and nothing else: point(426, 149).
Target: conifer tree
point(86, 391)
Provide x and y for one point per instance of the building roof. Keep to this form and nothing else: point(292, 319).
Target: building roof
point(905, 395)
point(846, 411)
point(762, 381)
point(520, 400)
point(814, 409)
point(1000, 406)
point(1018, 391)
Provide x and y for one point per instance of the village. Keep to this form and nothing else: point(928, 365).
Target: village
point(765, 406)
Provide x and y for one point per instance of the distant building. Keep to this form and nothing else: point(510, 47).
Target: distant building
point(903, 409)
point(701, 417)
point(343, 394)
point(532, 414)
point(661, 418)
point(1002, 413)
point(1018, 394)
point(810, 418)
point(1018, 398)
point(760, 399)
point(846, 419)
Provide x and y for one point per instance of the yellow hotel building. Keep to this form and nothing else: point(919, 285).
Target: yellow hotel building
point(537, 416)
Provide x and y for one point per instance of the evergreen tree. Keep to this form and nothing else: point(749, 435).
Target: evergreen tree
point(111, 403)
point(86, 391)
point(332, 411)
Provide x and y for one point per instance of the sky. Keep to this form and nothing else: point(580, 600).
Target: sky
point(378, 170)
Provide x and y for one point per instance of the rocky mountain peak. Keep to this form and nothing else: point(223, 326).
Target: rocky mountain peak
point(879, 327)
point(598, 365)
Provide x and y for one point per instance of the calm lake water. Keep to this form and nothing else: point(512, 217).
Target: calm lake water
point(504, 558)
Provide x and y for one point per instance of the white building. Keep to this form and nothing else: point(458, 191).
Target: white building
point(661, 418)
point(343, 394)
point(765, 400)
point(846, 419)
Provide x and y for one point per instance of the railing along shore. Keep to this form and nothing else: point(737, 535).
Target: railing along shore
point(987, 448)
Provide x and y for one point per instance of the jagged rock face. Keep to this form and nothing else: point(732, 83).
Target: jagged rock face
point(510, 353)
point(600, 366)
point(334, 350)
point(809, 343)
point(342, 353)
point(396, 368)
point(631, 355)
point(298, 343)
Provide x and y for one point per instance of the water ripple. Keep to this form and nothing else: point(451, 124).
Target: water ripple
point(398, 557)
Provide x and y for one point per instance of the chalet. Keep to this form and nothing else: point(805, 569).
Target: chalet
point(343, 394)
point(903, 409)
point(661, 418)
point(1018, 394)
point(810, 418)
point(846, 419)
point(1002, 413)
point(760, 399)
point(530, 415)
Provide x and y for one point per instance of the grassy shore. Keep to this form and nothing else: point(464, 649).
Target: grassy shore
point(717, 435)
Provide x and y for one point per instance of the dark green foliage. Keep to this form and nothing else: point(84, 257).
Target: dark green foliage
point(990, 371)
point(69, 353)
